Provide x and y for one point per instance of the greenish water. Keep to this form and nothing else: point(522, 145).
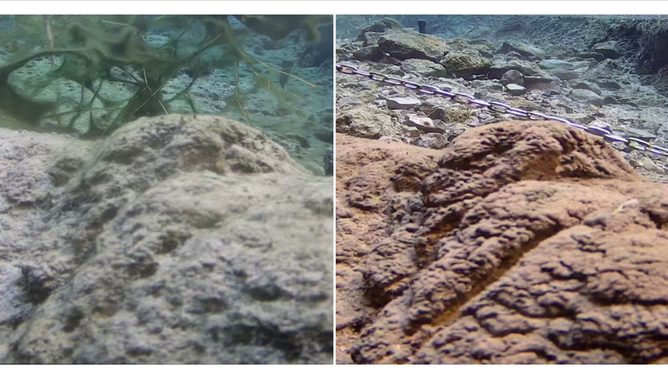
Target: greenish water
point(89, 75)
point(10, 122)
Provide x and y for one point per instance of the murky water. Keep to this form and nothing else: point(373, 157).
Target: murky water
point(89, 75)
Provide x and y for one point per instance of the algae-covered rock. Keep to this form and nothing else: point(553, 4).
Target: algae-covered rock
point(364, 122)
point(407, 44)
point(424, 68)
point(465, 64)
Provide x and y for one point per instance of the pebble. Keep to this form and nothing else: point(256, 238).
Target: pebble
point(402, 103)
point(516, 89)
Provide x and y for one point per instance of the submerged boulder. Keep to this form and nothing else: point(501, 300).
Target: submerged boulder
point(520, 242)
point(179, 239)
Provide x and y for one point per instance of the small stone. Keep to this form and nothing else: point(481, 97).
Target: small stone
point(424, 68)
point(588, 86)
point(586, 96)
point(439, 114)
point(641, 133)
point(591, 55)
point(512, 77)
point(609, 49)
point(649, 165)
point(567, 108)
point(612, 85)
point(368, 53)
point(516, 89)
point(524, 49)
point(416, 121)
point(565, 74)
point(610, 100)
point(402, 103)
point(555, 64)
point(432, 141)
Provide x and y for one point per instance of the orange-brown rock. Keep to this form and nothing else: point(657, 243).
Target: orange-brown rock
point(522, 242)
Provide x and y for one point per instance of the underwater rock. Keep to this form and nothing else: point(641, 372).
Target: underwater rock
point(184, 239)
point(539, 83)
point(466, 64)
point(278, 27)
point(368, 53)
point(483, 86)
point(512, 77)
point(588, 86)
point(407, 44)
point(591, 55)
point(365, 122)
point(424, 68)
point(521, 242)
point(526, 50)
point(380, 26)
point(501, 65)
point(609, 49)
point(516, 89)
point(607, 70)
point(432, 141)
point(402, 103)
point(586, 96)
point(419, 121)
point(555, 64)
point(565, 74)
point(114, 92)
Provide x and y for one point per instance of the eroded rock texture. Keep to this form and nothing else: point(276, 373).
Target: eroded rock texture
point(522, 242)
point(180, 239)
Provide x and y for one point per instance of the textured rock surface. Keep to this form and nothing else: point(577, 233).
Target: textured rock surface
point(521, 242)
point(180, 239)
point(407, 44)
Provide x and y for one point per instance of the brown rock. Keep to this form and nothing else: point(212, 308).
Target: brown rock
point(521, 242)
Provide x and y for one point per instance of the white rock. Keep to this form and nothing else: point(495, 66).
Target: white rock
point(402, 103)
point(516, 89)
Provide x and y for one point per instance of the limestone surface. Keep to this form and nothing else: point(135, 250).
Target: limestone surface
point(520, 242)
point(179, 239)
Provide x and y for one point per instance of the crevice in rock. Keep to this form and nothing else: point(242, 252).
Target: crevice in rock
point(480, 283)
